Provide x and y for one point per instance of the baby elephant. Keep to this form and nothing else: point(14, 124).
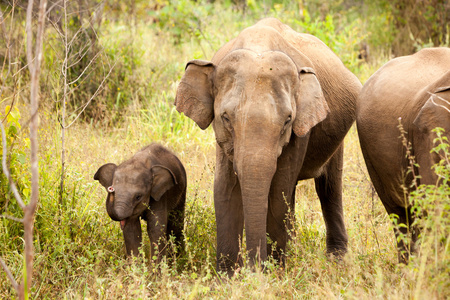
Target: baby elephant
point(151, 185)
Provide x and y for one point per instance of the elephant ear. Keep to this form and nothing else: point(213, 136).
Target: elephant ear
point(163, 179)
point(105, 174)
point(435, 112)
point(312, 108)
point(194, 94)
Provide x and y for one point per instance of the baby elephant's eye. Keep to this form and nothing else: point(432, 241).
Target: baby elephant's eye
point(138, 197)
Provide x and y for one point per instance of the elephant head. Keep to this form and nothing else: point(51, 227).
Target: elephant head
point(132, 184)
point(254, 100)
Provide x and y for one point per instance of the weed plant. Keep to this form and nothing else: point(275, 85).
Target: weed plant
point(80, 250)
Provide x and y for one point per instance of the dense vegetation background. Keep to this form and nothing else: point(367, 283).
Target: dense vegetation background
point(108, 81)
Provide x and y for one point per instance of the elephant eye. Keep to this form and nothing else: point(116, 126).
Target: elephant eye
point(287, 121)
point(138, 197)
point(226, 122)
point(225, 118)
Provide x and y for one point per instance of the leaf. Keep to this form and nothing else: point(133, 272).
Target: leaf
point(21, 157)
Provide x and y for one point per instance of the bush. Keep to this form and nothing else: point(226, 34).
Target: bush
point(431, 206)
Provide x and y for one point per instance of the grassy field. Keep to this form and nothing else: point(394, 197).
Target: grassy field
point(79, 249)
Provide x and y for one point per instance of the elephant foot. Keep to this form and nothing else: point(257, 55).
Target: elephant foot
point(337, 252)
point(228, 266)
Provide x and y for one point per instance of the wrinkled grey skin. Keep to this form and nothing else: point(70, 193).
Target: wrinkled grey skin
point(403, 88)
point(151, 186)
point(280, 103)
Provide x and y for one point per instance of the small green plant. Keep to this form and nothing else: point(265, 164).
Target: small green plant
point(16, 155)
point(431, 207)
point(17, 163)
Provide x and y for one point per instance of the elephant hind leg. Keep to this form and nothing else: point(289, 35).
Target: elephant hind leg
point(389, 200)
point(406, 236)
point(329, 189)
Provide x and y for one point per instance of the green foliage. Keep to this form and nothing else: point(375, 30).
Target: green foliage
point(183, 18)
point(431, 206)
point(18, 166)
point(417, 23)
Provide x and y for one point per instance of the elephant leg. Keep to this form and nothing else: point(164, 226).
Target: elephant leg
point(279, 223)
point(329, 189)
point(157, 227)
point(132, 234)
point(229, 215)
point(175, 225)
point(406, 236)
point(281, 212)
point(389, 199)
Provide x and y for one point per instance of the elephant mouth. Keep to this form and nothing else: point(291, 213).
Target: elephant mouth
point(122, 224)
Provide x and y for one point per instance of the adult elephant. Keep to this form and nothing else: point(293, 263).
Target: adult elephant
point(413, 90)
point(280, 103)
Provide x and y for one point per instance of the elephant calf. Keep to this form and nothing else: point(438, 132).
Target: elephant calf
point(151, 186)
point(416, 90)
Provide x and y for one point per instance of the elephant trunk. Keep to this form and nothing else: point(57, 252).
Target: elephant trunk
point(255, 173)
point(116, 210)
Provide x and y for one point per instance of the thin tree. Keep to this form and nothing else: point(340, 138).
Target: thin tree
point(72, 56)
point(34, 58)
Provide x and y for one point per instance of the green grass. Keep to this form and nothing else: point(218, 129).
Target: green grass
point(80, 251)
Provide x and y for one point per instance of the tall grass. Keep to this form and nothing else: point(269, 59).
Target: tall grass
point(80, 250)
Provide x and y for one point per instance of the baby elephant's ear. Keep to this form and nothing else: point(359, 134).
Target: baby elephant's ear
point(105, 174)
point(163, 180)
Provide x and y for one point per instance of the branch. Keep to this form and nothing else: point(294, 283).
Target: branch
point(35, 70)
point(440, 98)
point(10, 276)
point(8, 51)
point(12, 218)
point(7, 56)
point(93, 96)
point(29, 32)
point(82, 73)
point(53, 6)
point(20, 70)
point(80, 54)
point(6, 170)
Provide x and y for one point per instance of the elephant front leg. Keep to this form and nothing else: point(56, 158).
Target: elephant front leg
point(132, 234)
point(280, 216)
point(279, 222)
point(229, 216)
point(175, 225)
point(329, 190)
point(157, 228)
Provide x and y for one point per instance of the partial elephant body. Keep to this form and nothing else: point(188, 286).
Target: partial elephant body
point(280, 103)
point(150, 186)
point(406, 90)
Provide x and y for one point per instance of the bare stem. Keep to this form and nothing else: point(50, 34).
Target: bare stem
point(9, 274)
point(34, 67)
point(11, 218)
point(64, 100)
point(93, 96)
